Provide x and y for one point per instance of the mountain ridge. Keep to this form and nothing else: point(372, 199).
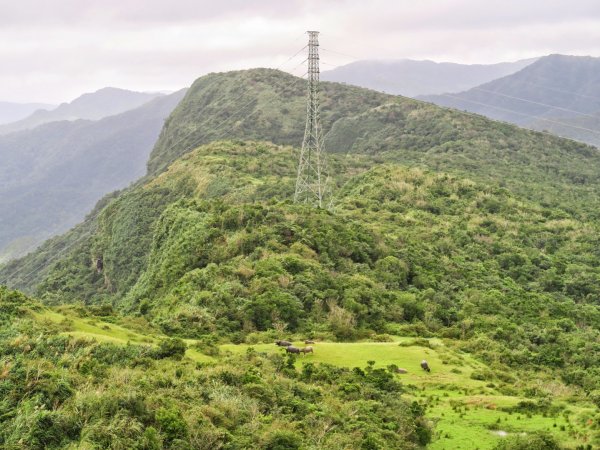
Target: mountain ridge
point(102, 103)
point(399, 130)
point(414, 78)
point(12, 112)
point(450, 232)
point(554, 94)
point(69, 166)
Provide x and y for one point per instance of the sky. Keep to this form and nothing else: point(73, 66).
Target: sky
point(54, 50)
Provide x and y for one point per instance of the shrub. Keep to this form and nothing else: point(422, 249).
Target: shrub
point(534, 441)
point(171, 423)
point(283, 440)
point(171, 348)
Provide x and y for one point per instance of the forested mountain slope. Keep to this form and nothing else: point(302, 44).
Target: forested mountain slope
point(251, 104)
point(50, 177)
point(91, 106)
point(64, 391)
point(211, 247)
point(267, 104)
point(413, 78)
point(444, 224)
point(557, 93)
point(545, 169)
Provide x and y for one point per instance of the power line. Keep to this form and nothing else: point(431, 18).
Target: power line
point(590, 97)
point(340, 53)
point(536, 102)
point(519, 113)
point(43, 263)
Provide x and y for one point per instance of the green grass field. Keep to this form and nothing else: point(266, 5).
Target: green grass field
point(466, 413)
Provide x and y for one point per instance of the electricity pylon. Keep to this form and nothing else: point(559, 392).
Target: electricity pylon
point(312, 180)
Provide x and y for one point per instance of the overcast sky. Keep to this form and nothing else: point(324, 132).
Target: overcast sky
point(54, 50)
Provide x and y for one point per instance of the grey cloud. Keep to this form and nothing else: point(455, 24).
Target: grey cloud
point(53, 50)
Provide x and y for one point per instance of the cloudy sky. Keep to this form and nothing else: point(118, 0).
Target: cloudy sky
point(54, 50)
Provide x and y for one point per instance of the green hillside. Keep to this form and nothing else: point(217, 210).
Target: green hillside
point(65, 390)
point(257, 104)
point(212, 248)
point(541, 167)
point(51, 176)
point(264, 104)
point(471, 243)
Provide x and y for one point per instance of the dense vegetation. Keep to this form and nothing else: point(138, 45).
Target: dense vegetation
point(501, 264)
point(258, 104)
point(269, 105)
point(63, 392)
point(405, 253)
point(541, 167)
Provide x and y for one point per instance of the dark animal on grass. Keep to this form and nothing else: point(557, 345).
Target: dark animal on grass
point(308, 341)
point(306, 350)
point(425, 366)
point(283, 343)
point(401, 370)
point(292, 349)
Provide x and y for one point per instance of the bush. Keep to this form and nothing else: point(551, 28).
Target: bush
point(283, 440)
point(171, 348)
point(171, 423)
point(534, 441)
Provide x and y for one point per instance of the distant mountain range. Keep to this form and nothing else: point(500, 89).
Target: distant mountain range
point(92, 106)
point(51, 176)
point(557, 93)
point(11, 112)
point(413, 78)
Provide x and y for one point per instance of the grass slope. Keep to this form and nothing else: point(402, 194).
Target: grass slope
point(467, 413)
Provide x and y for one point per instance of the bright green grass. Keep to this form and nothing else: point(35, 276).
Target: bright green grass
point(477, 425)
point(108, 332)
point(95, 329)
point(384, 354)
point(477, 428)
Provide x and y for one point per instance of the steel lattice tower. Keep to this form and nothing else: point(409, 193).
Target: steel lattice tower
point(312, 180)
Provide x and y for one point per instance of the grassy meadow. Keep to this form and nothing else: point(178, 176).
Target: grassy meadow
point(467, 413)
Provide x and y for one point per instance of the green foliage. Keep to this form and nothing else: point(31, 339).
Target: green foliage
point(170, 422)
point(405, 252)
point(543, 168)
point(171, 348)
point(212, 249)
point(537, 441)
point(258, 104)
point(54, 395)
point(283, 440)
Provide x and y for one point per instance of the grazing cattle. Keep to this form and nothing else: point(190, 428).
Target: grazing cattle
point(401, 370)
point(283, 343)
point(425, 366)
point(308, 341)
point(292, 349)
point(306, 350)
